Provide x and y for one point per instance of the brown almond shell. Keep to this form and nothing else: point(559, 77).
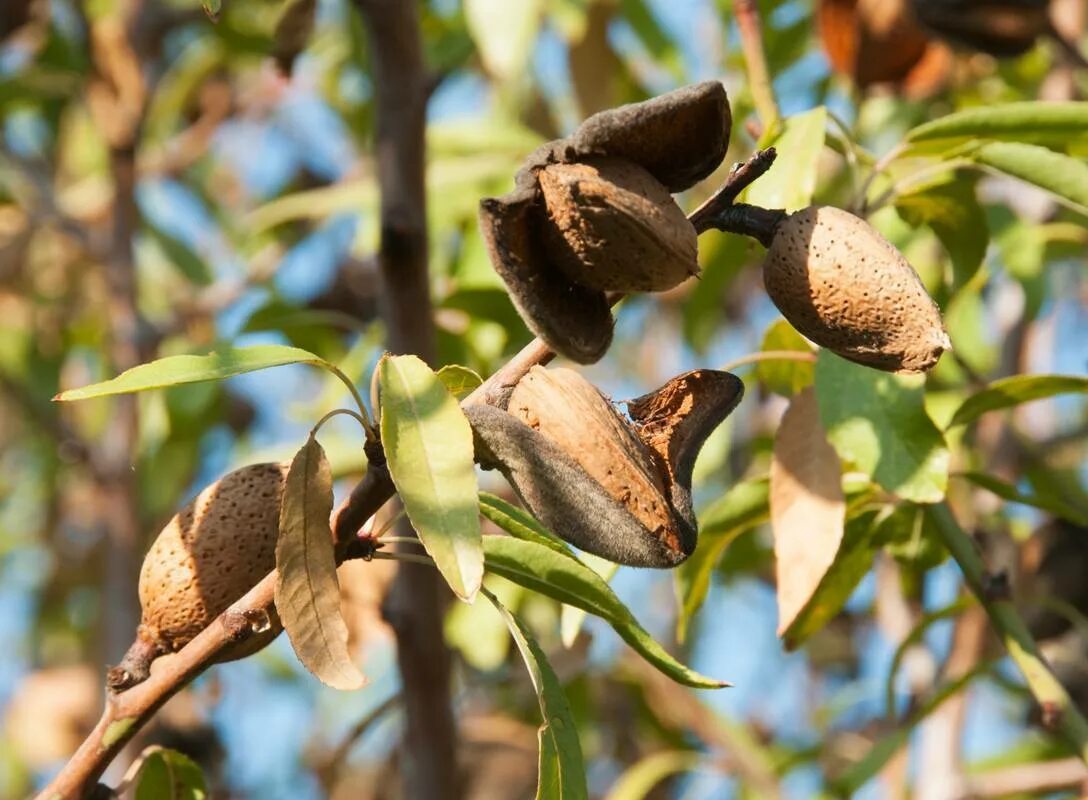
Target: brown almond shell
point(565, 498)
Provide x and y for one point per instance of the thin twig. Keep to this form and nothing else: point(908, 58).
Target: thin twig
point(759, 77)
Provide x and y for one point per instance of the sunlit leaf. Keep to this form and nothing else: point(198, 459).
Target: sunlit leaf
point(1061, 175)
point(1015, 122)
point(909, 535)
point(571, 619)
point(459, 381)
point(176, 370)
point(784, 376)
point(563, 578)
point(168, 775)
point(212, 8)
point(1009, 392)
point(562, 771)
point(428, 444)
point(307, 590)
point(878, 422)
point(791, 180)
point(808, 508)
point(742, 508)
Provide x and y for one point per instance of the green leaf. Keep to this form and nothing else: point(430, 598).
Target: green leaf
point(520, 523)
point(428, 444)
point(878, 421)
point(951, 209)
point(1054, 504)
point(791, 180)
point(562, 770)
point(564, 578)
point(742, 508)
point(910, 536)
point(176, 370)
point(212, 8)
point(1009, 392)
point(1016, 122)
point(783, 376)
point(854, 557)
point(1063, 176)
point(571, 619)
point(504, 33)
point(640, 778)
point(185, 260)
point(307, 590)
point(459, 381)
point(168, 775)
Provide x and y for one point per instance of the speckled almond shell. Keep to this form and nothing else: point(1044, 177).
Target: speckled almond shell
point(211, 553)
point(845, 287)
point(610, 225)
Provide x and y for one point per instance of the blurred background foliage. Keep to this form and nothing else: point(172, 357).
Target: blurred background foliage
point(167, 191)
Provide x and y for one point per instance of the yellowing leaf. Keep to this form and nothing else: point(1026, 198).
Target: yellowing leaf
point(428, 445)
point(307, 591)
point(808, 510)
point(460, 381)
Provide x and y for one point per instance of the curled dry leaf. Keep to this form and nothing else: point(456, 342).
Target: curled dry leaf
point(808, 510)
point(214, 550)
point(594, 211)
point(848, 289)
point(307, 590)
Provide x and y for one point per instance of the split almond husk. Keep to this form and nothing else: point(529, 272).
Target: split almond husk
point(597, 479)
point(845, 287)
point(210, 553)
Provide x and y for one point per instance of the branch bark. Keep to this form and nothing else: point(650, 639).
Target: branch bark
point(416, 601)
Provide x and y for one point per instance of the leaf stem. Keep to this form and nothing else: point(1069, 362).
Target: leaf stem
point(769, 355)
point(364, 418)
point(336, 412)
point(1060, 713)
point(426, 561)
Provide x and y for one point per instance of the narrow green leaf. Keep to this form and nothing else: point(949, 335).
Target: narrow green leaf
point(1016, 122)
point(910, 536)
point(791, 180)
point(563, 578)
point(562, 770)
point(428, 444)
point(878, 421)
point(1064, 176)
point(212, 8)
point(520, 523)
point(459, 381)
point(1055, 505)
point(784, 376)
point(742, 508)
point(1009, 392)
point(307, 590)
point(177, 370)
point(572, 619)
point(640, 778)
point(854, 557)
point(168, 775)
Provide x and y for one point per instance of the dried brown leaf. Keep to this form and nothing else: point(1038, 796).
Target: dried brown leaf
point(808, 510)
point(307, 590)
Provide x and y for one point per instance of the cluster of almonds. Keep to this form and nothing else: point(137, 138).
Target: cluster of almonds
point(594, 213)
point(591, 214)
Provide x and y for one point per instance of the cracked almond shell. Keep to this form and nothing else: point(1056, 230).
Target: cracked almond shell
point(677, 139)
point(845, 287)
point(614, 488)
point(212, 552)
